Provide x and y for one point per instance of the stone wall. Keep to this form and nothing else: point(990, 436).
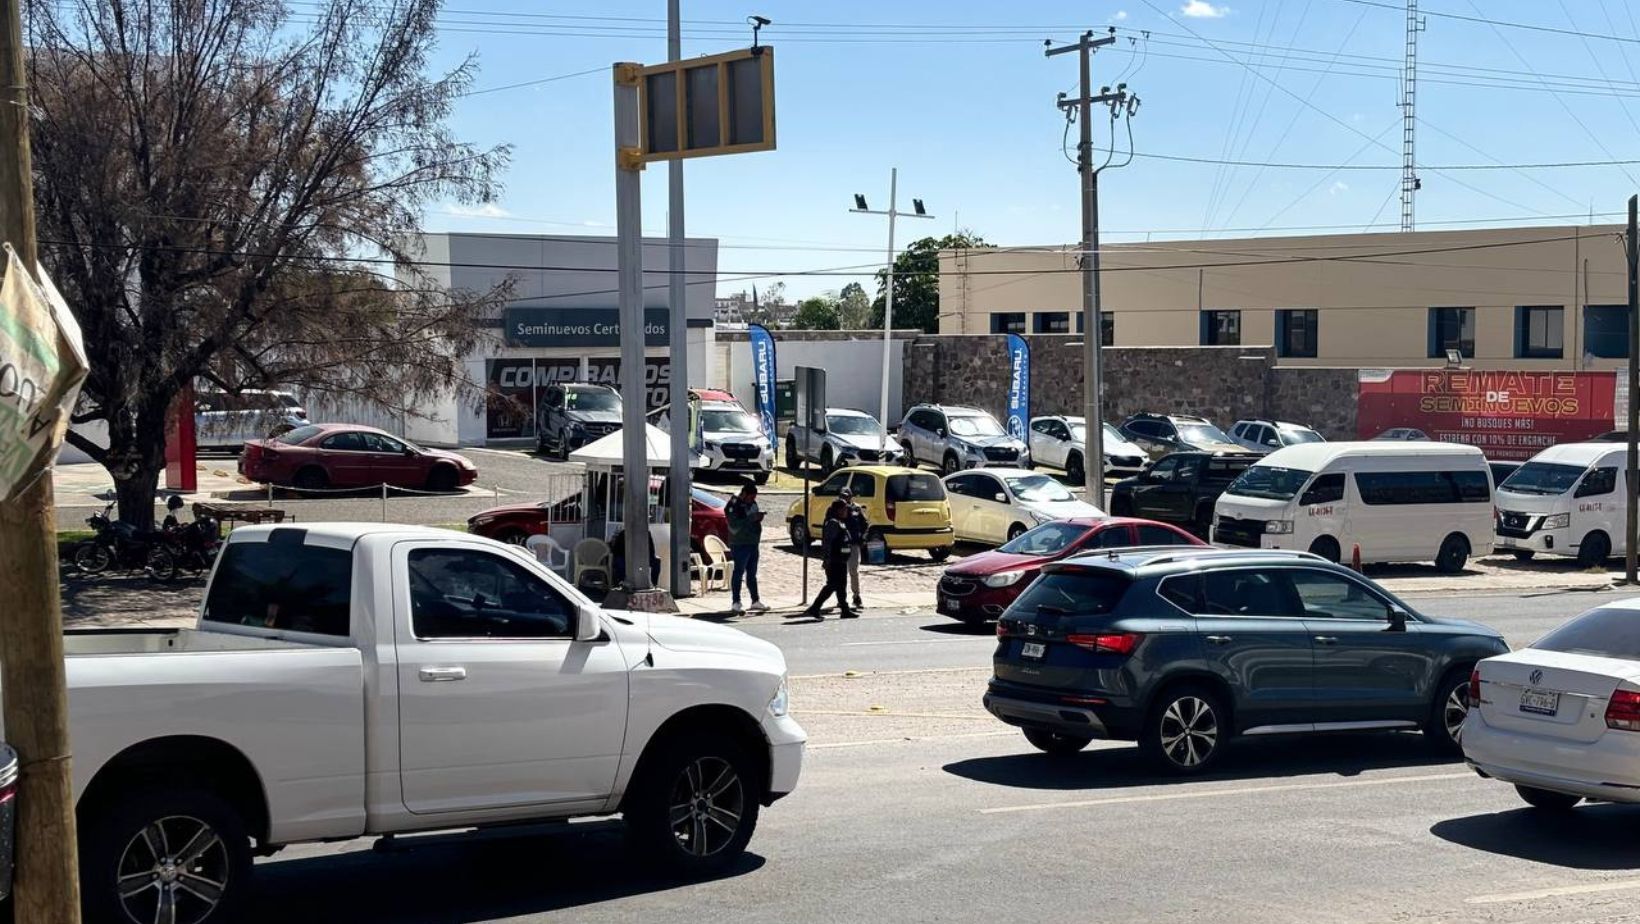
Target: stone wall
point(1223, 384)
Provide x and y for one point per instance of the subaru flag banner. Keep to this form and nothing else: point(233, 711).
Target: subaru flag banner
point(763, 375)
point(1019, 386)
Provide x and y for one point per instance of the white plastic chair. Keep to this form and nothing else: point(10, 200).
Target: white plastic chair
point(717, 570)
point(548, 552)
point(591, 556)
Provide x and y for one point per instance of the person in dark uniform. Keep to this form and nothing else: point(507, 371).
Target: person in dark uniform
point(835, 546)
point(855, 520)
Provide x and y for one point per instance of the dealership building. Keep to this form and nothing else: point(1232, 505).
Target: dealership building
point(1515, 298)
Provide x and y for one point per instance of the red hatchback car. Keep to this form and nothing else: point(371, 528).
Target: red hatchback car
point(346, 456)
point(980, 587)
point(518, 522)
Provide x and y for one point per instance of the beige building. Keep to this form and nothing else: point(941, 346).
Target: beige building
point(1548, 298)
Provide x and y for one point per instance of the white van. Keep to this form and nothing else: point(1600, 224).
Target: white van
point(1568, 500)
point(1397, 502)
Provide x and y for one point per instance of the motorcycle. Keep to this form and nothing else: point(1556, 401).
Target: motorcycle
point(116, 545)
point(182, 547)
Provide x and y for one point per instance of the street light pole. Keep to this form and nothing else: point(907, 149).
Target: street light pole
point(678, 474)
point(892, 212)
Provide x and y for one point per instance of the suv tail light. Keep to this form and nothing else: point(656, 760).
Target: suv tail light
point(1475, 687)
point(1121, 643)
point(1623, 711)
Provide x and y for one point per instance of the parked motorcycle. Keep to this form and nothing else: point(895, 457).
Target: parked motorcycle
point(190, 547)
point(116, 545)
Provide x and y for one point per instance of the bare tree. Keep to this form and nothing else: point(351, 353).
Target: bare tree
point(231, 192)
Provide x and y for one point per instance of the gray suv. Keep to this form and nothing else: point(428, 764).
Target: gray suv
point(1182, 649)
point(955, 438)
point(575, 414)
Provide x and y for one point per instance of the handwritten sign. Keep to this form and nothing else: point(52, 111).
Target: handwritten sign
point(42, 363)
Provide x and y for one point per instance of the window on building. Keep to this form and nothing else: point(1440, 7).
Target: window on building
point(1053, 322)
point(1297, 332)
point(1107, 327)
point(1221, 327)
point(1606, 331)
point(1451, 329)
point(1007, 322)
point(1540, 332)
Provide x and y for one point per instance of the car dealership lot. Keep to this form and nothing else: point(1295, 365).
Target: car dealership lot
point(916, 806)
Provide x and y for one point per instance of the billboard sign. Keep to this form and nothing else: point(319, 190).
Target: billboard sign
point(577, 327)
point(1508, 415)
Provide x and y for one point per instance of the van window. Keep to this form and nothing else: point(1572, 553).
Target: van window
point(1269, 481)
point(282, 585)
point(1541, 478)
point(1400, 488)
point(1325, 489)
point(915, 488)
point(1600, 481)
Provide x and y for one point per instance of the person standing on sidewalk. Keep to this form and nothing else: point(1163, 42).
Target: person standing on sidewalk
point(745, 532)
point(834, 552)
point(854, 519)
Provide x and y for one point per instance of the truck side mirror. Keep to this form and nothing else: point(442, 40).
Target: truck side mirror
point(587, 626)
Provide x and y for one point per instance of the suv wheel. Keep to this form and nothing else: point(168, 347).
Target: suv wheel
point(697, 805)
point(951, 465)
point(1444, 727)
point(1054, 743)
point(1185, 730)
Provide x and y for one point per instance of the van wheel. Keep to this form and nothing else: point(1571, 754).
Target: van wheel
point(696, 807)
point(1015, 531)
point(940, 554)
point(1547, 800)
point(1185, 730)
point(1523, 554)
point(1073, 469)
point(1454, 553)
point(1326, 547)
point(951, 465)
point(1596, 548)
point(798, 530)
point(177, 855)
point(1054, 743)
point(1444, 726)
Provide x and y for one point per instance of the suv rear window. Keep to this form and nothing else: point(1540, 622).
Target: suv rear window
point(282, 585)
point(1610, 632)
point(1071, 593)
point(915, 488)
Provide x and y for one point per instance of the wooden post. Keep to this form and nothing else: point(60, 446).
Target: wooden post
point(47, 886)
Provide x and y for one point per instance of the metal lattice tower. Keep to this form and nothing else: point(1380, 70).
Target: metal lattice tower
point(1409, 122)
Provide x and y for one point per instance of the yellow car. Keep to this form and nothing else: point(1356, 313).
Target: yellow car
point(905, 507)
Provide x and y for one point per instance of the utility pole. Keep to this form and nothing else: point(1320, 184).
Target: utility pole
point(1410, 183)
point(31, 624)
point(678, 474)
point(629, 248)
point(893, 212)
point(1631, 247)
point(1093, 466)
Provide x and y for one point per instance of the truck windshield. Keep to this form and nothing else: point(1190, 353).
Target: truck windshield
point(1542, 478)
point(976, 425)
point(853, 426)
point(592, 399)
point(1269, 481)
point(727, 421)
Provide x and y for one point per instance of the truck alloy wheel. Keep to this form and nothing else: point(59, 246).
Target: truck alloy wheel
point(707, 802)
point(696, 804)
point(177, 855)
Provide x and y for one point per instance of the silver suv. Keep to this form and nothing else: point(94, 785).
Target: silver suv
point(1270, 435)
point(955, 438)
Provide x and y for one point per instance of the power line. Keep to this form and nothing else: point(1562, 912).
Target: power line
point(532, 83)
point(1499, 22)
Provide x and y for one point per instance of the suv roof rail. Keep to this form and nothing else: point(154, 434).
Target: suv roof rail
point(1197, 553)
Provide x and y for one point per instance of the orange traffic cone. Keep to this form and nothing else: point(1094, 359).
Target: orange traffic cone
point(1355, 558)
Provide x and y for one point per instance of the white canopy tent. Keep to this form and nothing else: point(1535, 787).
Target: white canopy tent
point(601, 511)
point(606, 452)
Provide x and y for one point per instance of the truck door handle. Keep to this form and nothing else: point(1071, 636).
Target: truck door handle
point(1218, 639)
point(1326, 639)
point(441, 674)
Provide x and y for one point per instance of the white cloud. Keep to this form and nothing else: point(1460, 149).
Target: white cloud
point(1201, 9)
point(482, 210)
point(1338, 186)
point(1120, 15)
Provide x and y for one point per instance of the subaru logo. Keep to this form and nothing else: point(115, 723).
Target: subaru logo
point(1535, 677)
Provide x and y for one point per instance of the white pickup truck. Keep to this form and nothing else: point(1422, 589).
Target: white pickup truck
point(349, 680)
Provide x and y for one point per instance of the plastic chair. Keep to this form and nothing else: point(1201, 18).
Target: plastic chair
point(591, 556)
point(548, 552)
point(717, 570)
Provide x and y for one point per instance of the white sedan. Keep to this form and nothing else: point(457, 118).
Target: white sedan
point(1561, 719)
point(996, 505)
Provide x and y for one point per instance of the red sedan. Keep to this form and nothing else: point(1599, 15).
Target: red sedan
point(518, 522)
point(980, 587)
point(345, 456)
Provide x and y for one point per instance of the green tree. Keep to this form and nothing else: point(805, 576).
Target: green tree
point(917, 282)
point(853, 307)
point(817, 313)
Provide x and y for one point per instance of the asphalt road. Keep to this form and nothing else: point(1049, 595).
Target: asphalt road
point(915, 806)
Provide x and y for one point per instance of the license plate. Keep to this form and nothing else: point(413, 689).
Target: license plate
point(1541, 702)
point(1033, 649)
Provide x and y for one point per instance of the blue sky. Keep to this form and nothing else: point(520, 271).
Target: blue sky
point(958, 95)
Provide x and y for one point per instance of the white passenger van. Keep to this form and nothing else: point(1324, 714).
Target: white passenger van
point(1397, 502)
point(1567, 501)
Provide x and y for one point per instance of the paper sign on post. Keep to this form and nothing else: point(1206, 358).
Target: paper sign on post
point(42, 363)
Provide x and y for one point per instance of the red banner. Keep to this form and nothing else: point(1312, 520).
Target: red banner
point(1509, 415)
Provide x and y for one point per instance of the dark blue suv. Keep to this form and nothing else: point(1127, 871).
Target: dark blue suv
point(1181, 649)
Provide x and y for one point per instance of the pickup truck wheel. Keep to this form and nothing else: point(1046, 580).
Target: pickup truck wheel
point(698, 805)
point(177, 855)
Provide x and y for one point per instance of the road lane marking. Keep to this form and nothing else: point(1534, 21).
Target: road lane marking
point(1554, 892)
point(914, 670)
point(898, 715)
point(828, 745)
point(922, 641)
point(1212, 793)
